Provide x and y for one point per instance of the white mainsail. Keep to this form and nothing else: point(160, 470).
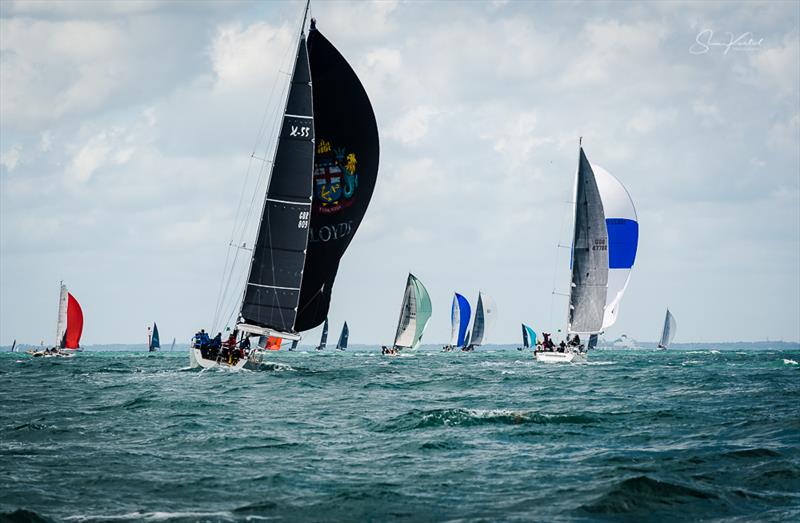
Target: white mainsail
point(415, 312)
point(61, 326)
point(668, 332)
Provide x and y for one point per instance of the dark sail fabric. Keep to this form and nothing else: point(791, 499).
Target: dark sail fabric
point(276, 271)
point(589, 284)
point(155, 342)
point(345, 170)
point(343, 337)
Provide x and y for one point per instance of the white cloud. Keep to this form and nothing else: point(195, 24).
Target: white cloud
point(646, 119)
point(412, 126)
point(779, 66)
point(10, 158)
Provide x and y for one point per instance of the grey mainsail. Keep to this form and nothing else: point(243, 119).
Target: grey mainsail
point(484, 319)
point(589, 282)
point(323, 340)
point(276, 270)
point(668, 332)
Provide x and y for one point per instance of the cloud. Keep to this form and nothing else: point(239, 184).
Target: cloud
point(10, 158)
point(413, 126)
point(646, 119)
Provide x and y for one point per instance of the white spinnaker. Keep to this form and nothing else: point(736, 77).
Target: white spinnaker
point(455, 321)
point(617, 203)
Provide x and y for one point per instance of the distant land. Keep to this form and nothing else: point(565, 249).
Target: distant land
point(718, 345)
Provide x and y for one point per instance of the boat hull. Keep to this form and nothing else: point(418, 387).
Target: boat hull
point(560, 357)
point(196, 360)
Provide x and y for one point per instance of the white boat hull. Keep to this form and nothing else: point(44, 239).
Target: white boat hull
point(197, 360)
point(560, 357)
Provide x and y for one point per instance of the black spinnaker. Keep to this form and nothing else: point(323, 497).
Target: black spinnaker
point(345, 170)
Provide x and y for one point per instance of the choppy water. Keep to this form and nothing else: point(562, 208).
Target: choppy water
point(490, 435)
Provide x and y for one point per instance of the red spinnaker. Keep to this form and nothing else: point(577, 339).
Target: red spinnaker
point(72, 338)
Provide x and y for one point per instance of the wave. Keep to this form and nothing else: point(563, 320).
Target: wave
point(643, 495)
point(420, 419)
point(753, 453)
point(154, 516)
point(787, 361)
point(22, 516)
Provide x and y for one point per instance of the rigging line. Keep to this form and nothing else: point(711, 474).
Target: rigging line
point(227, 285)
point(564, 215)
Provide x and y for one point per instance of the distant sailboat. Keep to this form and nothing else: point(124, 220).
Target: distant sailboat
point(153, 342)
point(14, 346)
point(323, 173)
point(485, 312)
point(415, 313)
point(343, 337)
point(323, 339)
point(668, 332)
point(528, 337)
point(460, 313)
point(69, 327)
point(172, 347)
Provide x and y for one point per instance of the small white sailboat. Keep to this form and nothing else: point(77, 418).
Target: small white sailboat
point(69, 327)
point(343, 337)
point(485, 315)
point(323, 339)
point(460, 313)
point(668, 331)
point(415, 312)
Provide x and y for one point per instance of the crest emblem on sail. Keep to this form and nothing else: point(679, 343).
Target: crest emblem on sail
point(345, 171)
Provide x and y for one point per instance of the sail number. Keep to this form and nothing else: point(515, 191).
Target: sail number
point(302, 132)
point(302, 220)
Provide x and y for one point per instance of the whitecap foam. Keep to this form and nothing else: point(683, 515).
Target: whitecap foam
point(789, 362)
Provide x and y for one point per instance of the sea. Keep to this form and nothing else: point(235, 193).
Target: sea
point(633, 435)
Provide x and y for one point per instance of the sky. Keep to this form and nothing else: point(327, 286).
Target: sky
point(126, 130)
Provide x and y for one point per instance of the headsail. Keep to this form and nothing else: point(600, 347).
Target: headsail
point(72, 335)
point(459, 318)
point(414, 314)
point(484, 319)
point(589, 281)
point(622, 226)
point(276, 271)
point(668, 332)
point(345, 170)
point(343, 337)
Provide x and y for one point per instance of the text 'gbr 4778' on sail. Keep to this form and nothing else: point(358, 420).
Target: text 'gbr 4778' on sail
point(322, 179)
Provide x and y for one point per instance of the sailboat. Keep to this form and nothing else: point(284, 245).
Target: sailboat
point(485, 313)
point(343, 337)
point(14, 346)
point(322, 178)
point(68, 328)
point(153, 343)
point(415, 312)
point(459, 322)
point(323, 339)
point(668, 332)
point(172, 347)
point(604, 242)
point(528, 338)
